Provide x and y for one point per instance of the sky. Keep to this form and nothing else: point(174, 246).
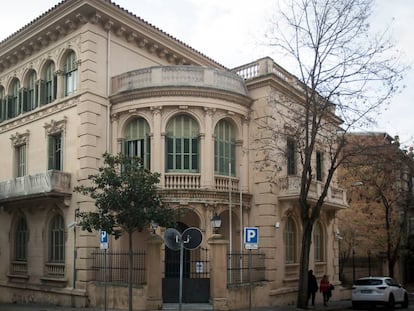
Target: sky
point(232, 33)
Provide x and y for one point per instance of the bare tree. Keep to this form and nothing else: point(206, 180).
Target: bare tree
point(345, 75)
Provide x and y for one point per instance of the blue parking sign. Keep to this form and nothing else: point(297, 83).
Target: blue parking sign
point(251, 238)
point(103, 239)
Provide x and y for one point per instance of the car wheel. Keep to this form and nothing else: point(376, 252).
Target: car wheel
point(391, 302)
point(405, 302)
point(355, 305)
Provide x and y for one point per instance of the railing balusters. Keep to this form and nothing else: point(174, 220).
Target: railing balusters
point(35, 184)
point(182, 181)
point(238, 268)
point(117, 266)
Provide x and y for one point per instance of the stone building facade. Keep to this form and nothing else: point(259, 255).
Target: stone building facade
point(88, 77)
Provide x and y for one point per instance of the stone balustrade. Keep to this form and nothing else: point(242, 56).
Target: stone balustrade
point(41, 183)
point(262, 67)
point(179, 76)
point(290, 189)
point(182, 181)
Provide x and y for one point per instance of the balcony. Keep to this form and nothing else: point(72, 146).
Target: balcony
point(50, 183)
point(186, 188)
point(290, 190)
point(195, 77)
point(262, 67)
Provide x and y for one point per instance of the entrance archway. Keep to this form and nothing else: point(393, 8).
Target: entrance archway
point(196, 276)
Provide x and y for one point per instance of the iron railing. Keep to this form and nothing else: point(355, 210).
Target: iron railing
point(196, 264)
point(117, 266)
point(243, 269)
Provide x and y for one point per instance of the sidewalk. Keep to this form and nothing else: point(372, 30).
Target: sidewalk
point(333, 305)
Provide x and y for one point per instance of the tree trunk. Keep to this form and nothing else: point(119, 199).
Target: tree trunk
point(304, 264)
point(391, 264)
point(130, 271)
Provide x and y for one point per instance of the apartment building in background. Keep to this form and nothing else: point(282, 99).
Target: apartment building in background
point(88, 77)
point(377, 225)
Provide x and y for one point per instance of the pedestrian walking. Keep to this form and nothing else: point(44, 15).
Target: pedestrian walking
point(312, 287)
point(325, 289)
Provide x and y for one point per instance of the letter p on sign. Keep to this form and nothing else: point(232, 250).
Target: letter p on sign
point(251, 238)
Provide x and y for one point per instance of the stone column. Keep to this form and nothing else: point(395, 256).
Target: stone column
point(157, 154)
point(244, 159)
point(207, 154)
point(60, 80)
point(154, 272)
point(115, 141)
point(218, 276)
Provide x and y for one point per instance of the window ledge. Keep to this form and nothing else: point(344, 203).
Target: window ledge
point(18, 276)
point(54, 281)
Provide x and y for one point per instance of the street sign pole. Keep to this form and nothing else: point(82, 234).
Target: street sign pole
point(105, 285)
point(250, 279)
point(190, 239)
point(251, 241)
point(103, 240)
point(180, 295)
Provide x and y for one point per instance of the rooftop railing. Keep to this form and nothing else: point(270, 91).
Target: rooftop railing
point(262, 67)
point(179, 76)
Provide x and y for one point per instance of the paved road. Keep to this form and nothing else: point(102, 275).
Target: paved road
point(334, 305)
point(340, 305)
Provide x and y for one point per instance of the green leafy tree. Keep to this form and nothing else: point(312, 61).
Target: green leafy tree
point(125, 194)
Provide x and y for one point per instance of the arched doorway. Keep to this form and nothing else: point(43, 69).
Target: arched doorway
point(196, 269)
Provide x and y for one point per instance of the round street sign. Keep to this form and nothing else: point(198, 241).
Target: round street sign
point(192, 238)
point(172, 239)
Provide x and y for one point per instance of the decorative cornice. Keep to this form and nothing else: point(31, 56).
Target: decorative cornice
point(55, 127)
point(136, 31)
point(37, 114)
point(182, 91)
point(210, 197)
point(19, 139)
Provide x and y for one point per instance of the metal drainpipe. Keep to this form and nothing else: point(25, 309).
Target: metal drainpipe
point(108, 85)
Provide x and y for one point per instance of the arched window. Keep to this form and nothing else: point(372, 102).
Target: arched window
point(30, 93)
point(290, 241)
point(57, 240)
point(318, 242)
point(224, 148)
point(182, 144)
point(137, 141)
point(21, 238)
point(319, 165)
point(13, 102)
point(70, 71)
point(2, 105)
point(291, 154)
point(48, 85)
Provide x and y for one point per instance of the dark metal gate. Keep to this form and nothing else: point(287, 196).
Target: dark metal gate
point(196, 276)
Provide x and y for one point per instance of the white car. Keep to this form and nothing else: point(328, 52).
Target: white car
point(378, 290)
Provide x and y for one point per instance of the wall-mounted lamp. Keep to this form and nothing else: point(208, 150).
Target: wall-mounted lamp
point(338, 235)
point(153, 226)
point(72, 224)
point(277, 225)
point(216, 222)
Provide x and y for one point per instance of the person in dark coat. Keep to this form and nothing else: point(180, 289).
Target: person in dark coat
point(312, 286)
